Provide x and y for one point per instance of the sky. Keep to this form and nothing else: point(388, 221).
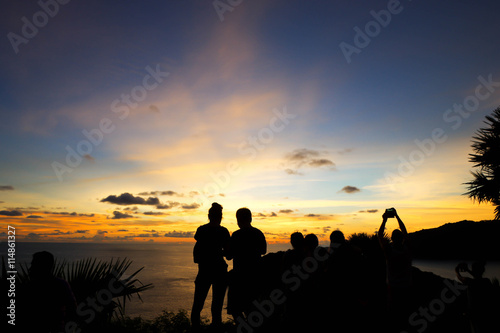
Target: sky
point(124, 120)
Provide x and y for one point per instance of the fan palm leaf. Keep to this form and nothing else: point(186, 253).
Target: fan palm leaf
point(485, 186)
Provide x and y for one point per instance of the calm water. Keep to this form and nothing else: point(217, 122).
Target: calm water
point(171, 269)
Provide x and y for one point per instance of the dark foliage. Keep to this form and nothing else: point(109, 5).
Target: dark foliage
point(485, 187)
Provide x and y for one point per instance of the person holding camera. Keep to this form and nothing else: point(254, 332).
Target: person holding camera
point(399, 267)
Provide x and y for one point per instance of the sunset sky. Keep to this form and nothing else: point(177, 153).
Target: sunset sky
point(125, 120)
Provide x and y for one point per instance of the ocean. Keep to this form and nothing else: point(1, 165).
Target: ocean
point(170, 267)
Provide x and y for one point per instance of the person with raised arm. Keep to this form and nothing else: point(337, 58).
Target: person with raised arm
point(399, 268)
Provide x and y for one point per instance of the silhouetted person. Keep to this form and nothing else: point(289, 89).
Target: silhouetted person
point(208, 253)
point(246, 247)
point(482, 303)
point(311, 242)
point(48, 302)
point(343, 286)
point(312, 306)
point(295, 255)
point(399, 269)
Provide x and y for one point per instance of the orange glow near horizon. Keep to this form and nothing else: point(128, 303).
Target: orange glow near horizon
point(277, 226)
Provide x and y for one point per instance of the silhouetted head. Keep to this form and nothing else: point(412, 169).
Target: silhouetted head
point(244, 217)
point(337, 236)
point(311, 241)
point(41, 265)
point(215, 213)
point(397, 237)
point(297, 240)
point(477, 269)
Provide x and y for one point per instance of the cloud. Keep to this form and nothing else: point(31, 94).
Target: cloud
point(169, 193)
point(89, 158)
point(33, 217)
point(168, 205)
point(120, 215)
point(68, 213)
point(293, 172)
point(194, 205)
point(350, 189)
point(32, 236)
point(153, 213)
point(154, 108)
point(300, 158)
point(129, 199)
point(345, 151)
point(301, 155)
point(368, 211)
point(82, 231)
point(273, 214)
point(286, 211)
point(180, 234)
point(312, 215)
point(147, 235)
point(101, 232)
point(11, 213)
point(6, 188)
point(318, 163)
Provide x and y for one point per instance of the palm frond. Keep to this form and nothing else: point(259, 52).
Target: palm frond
point(485, 186)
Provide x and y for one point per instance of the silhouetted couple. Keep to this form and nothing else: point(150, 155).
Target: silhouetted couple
point(245, 246)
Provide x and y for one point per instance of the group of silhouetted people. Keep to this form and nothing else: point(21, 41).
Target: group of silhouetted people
point(344, 287)
point(308, 286)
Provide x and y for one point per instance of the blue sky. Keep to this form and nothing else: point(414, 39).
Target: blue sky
point(270, 78)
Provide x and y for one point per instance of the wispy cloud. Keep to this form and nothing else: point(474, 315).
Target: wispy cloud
point(306, 158)
point(368, 211)
point(180, 234)
point(153, 213)
point(158, 193)
point(169, 205)
point(6, 188)
point(119, 215)
point(89, 158)
point(11, 213)
point(194, 205)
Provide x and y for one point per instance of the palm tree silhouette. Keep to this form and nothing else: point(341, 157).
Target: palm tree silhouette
point(485, 187)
